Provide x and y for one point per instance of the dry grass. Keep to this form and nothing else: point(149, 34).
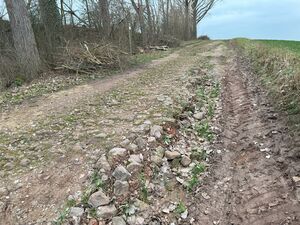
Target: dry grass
point(279, 69)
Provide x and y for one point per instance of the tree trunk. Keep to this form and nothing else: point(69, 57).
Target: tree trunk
point(187, 20)
point(194, 18)
point(150, 22)
point(140, 12)
point(52, 23)
point(105, 17)
point(88, 13)
point(23, 36)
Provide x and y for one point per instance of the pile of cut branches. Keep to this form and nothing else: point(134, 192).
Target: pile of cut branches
point(90, 57)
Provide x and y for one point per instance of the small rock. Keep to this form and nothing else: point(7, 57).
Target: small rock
point(121, 173)
point(205, 196)
point(76, 212)
point(151, 139)
point(170, 155)
point(157, 160)
point(93, 222)
point(102, 163)
point(199, 115)
point(132, 147)
point(125, 143)
point(142, 206)
point(118, 220)
point(3, 192)
point(2, 206)
point(136, 158)
point(117, 153)
point(9, 166)
point(101, 135)
point(296, 181)
point(107, 211)
point(184, 215)
point(77, 147)
point(156, 131)
point(134, 167)
point(185, 161)
point(24, 162)
point(166, 210)
point(135, 220)
point(141, 143)
point(131, 210)
point(121, 187)
point(98, 199)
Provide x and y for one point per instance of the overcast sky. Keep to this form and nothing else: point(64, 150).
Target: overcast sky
point(262, 19)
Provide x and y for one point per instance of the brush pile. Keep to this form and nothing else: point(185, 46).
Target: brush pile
point(90, 57)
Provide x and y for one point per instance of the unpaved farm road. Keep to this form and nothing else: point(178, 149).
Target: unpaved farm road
point(249, 182)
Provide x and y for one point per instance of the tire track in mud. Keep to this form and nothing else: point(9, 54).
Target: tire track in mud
point(248, 183)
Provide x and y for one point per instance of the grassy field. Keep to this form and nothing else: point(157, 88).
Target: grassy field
point(293, 46)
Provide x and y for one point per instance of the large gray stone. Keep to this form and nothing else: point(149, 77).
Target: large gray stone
point(121, 187)
point(102, 163)
point(156, 131)
point(141, 143)
point(185, 161)
point(121, 173)
point(134, 167)
point(117, 153)
point(98, 198)
point(106, 212)
point(118, 220)
point(76, 212)
point(170, 155)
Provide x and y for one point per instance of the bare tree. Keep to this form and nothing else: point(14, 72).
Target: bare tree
point(51, 20)
point(200, 8)
point(139, 8)
point(105, 17)
point(23, 37)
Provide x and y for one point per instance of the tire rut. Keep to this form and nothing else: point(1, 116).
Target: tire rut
point(248, 183)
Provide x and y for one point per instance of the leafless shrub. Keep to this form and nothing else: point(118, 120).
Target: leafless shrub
point(90, 57)
point(204, 38)
point(169, 41)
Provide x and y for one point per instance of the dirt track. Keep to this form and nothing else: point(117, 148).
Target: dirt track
point(249, 180)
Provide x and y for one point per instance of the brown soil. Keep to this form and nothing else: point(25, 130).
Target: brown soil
point(250, 180)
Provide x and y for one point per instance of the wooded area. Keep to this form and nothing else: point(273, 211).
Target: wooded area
point(45, 30)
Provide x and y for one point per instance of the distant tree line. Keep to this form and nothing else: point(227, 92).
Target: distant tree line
point(40, 28)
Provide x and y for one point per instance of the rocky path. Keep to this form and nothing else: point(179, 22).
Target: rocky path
point(191, 139)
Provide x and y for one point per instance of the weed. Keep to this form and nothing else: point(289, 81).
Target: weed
point(180, 208)
point(96, 180)
point(193, 182)
point(93, 213)
point(198, 169)
point(211, 109)
point(70, 203)
point(144, 190)
point(166, 139)
point(198, 154)
point(69, 118)
point(200, 93)
point(215, 91)
point(204, 131)
point(62, 217)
